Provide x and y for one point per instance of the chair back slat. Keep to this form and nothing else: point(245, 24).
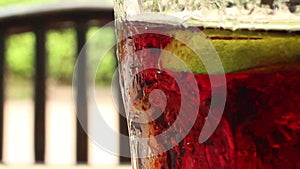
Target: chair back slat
point(81, 96)
point(40, 94)
point(2, 68)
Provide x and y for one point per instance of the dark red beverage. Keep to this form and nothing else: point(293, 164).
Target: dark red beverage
point(260, 126)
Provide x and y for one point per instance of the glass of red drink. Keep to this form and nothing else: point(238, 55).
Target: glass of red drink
point(211, 84)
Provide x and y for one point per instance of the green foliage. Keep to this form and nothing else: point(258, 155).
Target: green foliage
point(100, 41)
point(20, 52)
point(11, 2)
point(61, 47)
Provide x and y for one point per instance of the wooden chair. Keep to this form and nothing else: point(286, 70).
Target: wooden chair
point(39, 19)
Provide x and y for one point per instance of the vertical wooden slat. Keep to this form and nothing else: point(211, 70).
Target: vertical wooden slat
point(81, 97)
point(124, 143)
point(40, 94)
point(2, 73)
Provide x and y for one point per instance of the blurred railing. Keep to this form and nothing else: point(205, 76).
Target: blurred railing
point(40, 19)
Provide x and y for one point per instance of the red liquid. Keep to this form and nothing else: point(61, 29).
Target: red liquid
point(260, 127)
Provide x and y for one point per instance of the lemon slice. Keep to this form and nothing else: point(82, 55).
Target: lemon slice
point(242, 50)
point(190, 50)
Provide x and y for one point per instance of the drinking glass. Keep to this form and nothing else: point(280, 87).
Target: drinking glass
point(211, 84)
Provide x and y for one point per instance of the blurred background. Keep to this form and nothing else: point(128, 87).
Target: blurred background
point(18, 116)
